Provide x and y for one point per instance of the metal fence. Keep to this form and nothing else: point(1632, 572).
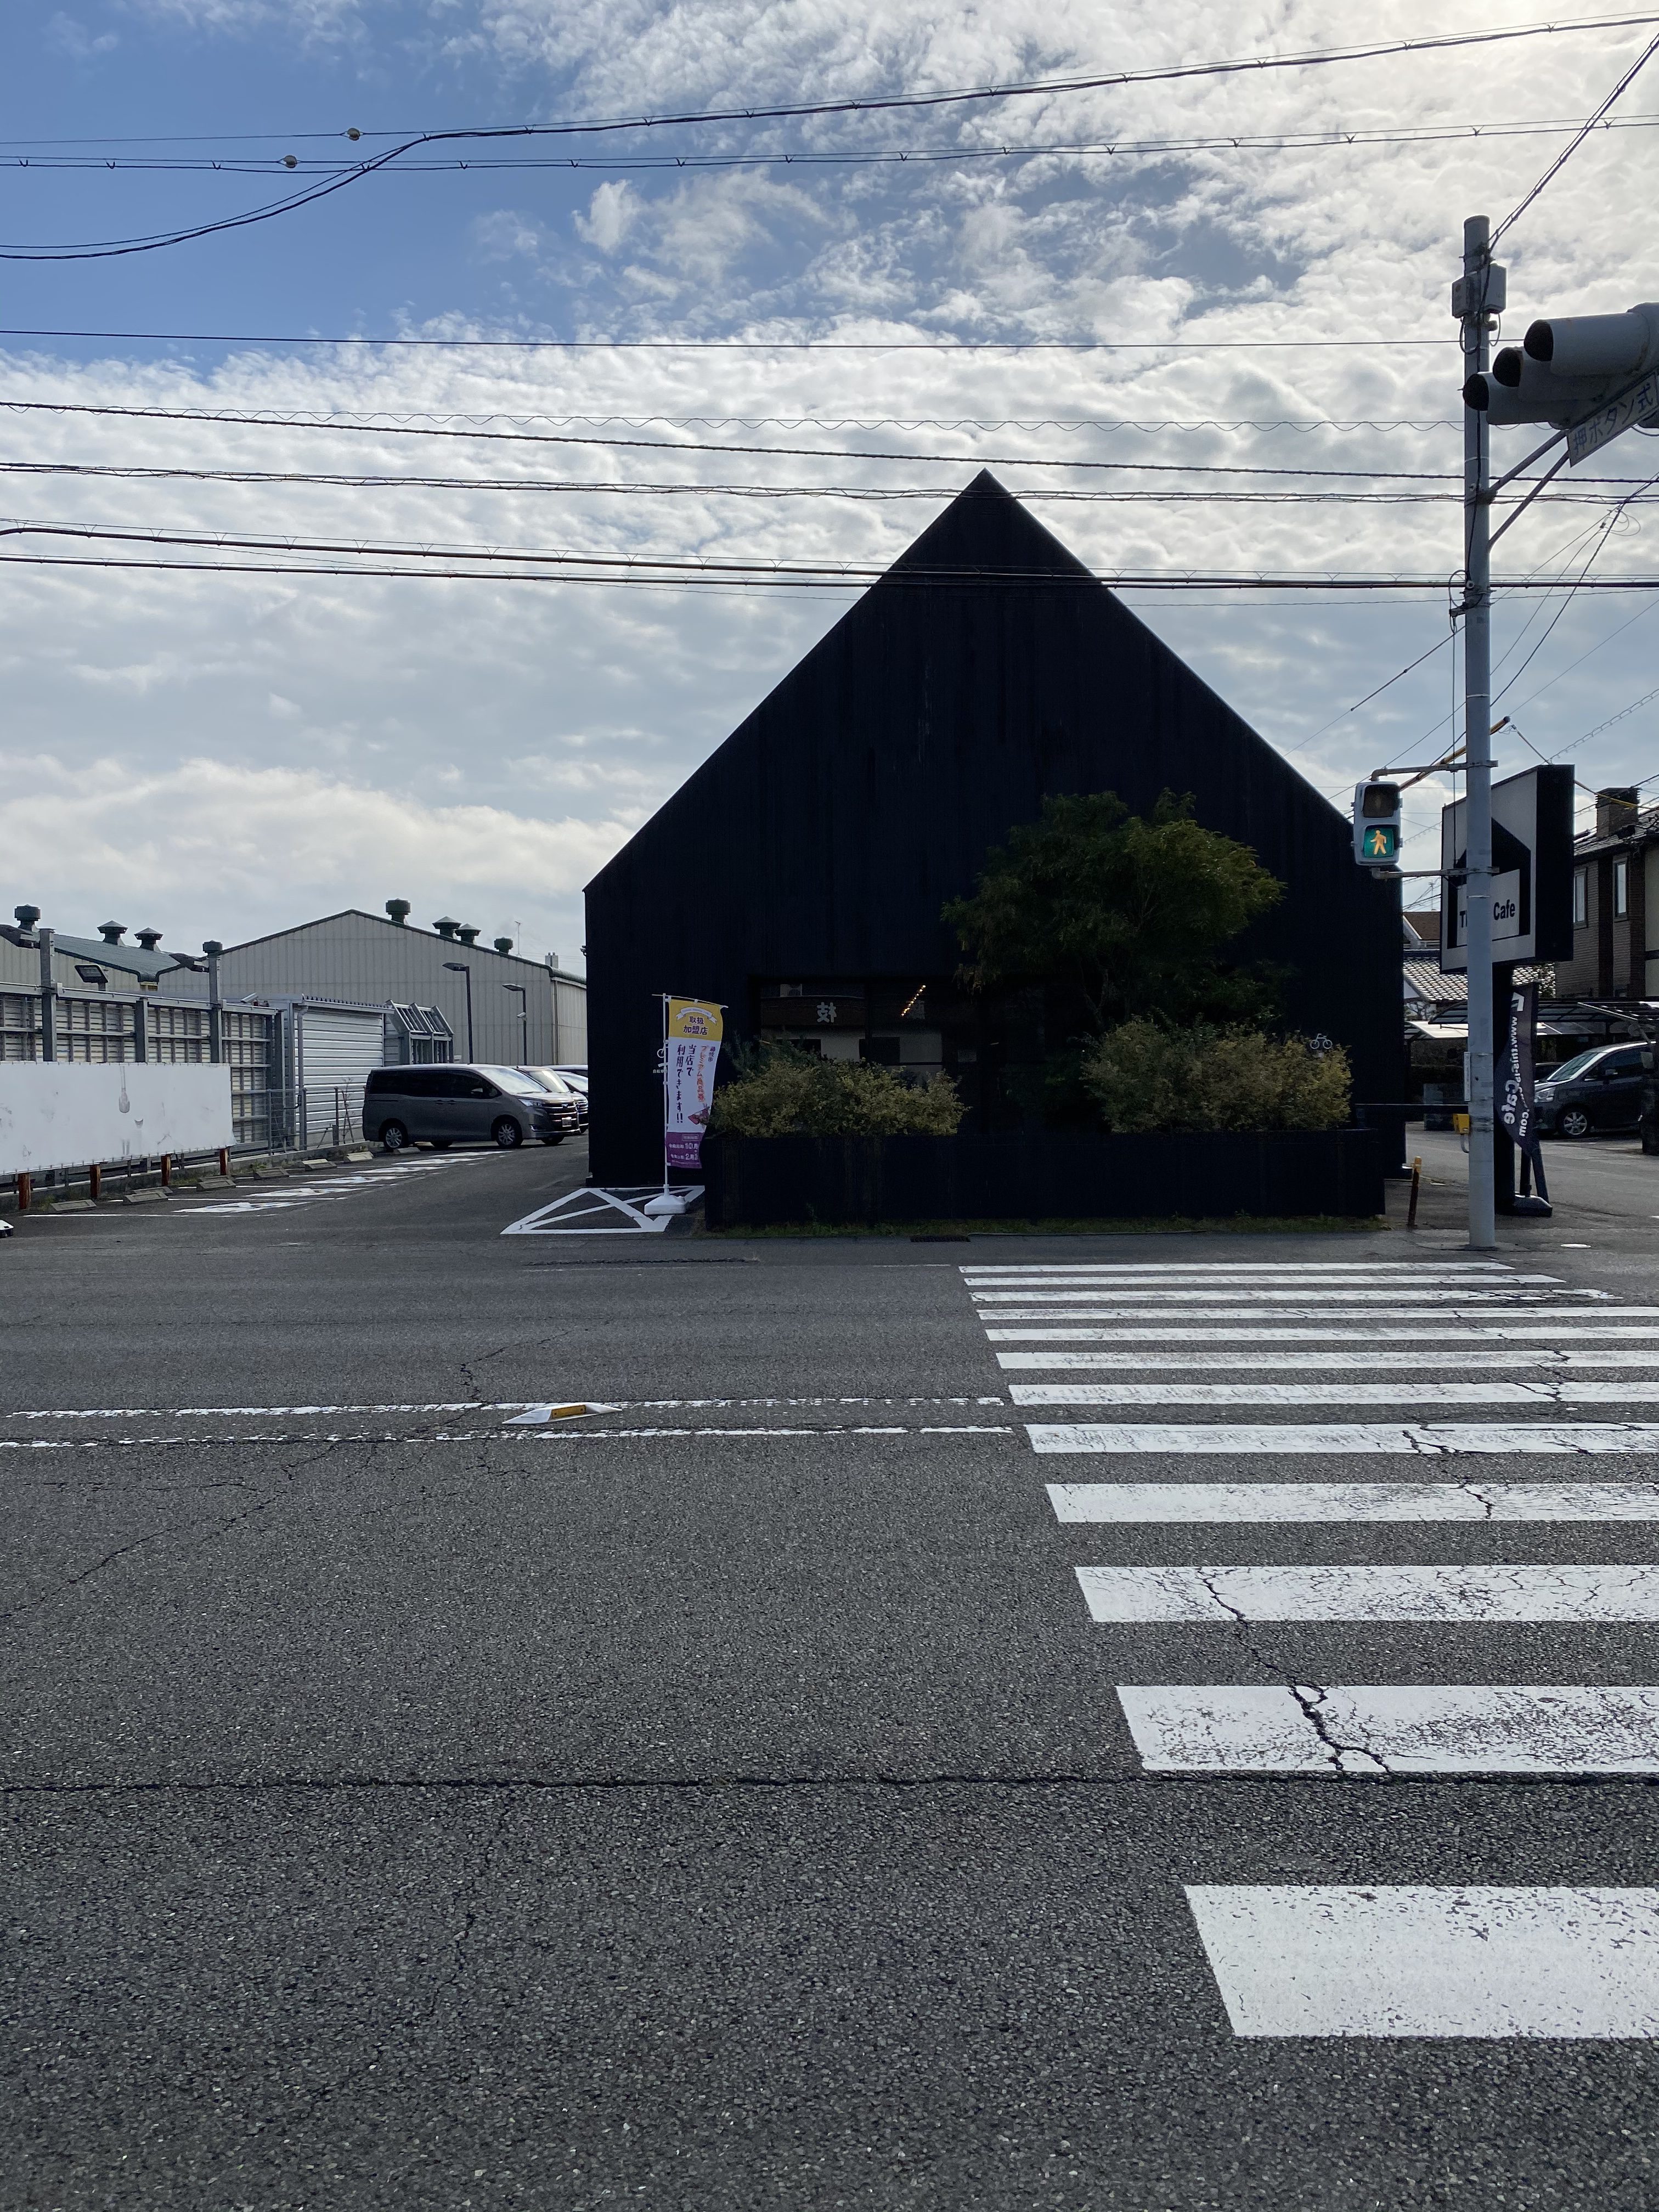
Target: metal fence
point(104, 1029)
point(321, 1115)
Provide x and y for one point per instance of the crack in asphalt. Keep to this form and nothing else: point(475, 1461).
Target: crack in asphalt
point(714, 1784)
point(1310, 1697)
point(1487, 1505)
point(263, 1504)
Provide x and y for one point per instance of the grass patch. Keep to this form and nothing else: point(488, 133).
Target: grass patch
point(1238, 1224)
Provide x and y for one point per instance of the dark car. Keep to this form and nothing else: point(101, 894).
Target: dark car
point(560, 1085)
point(455, 1102)
point(1597, 1090)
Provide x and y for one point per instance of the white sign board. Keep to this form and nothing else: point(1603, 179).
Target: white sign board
point(1505, 913)
point(1608, 422)
point(1532, 871)
point(68, 1114)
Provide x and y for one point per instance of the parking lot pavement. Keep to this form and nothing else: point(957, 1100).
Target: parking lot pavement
point(1605, 1191)
point(1101, 1722)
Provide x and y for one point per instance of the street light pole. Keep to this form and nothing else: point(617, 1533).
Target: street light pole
point(460, 968)
point(524, 1020)
point(1478, 294)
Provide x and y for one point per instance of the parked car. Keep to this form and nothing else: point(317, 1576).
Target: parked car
point(1601, 1089)
point(561, 1085)
point(456, 1102)
point(575, 1075)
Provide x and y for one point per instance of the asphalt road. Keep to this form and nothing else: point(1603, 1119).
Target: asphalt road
point(725, 1799)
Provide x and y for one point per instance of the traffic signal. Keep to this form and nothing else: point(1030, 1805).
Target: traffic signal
point(1376, 824)
point(1567, 366)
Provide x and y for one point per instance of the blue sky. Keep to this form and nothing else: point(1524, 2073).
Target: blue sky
point(234, 752)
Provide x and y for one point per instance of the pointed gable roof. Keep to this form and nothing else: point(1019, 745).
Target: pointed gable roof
point(985, 671)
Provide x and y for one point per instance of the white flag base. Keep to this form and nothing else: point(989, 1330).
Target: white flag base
point(665, 1201)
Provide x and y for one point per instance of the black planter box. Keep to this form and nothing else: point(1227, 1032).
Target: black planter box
point(759, 1182)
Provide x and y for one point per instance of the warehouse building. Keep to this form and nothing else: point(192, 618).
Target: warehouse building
point(301, 1015)
point(798, 876)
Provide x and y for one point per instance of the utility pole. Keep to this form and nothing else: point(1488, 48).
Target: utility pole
point(1475, 301)
point(460, 968)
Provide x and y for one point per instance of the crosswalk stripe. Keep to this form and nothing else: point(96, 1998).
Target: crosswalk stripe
point(1306, 1363)
point(1530, 1331)
point(1450, 1595)
point(1265, 1320)
point(1403, 1270)
point(1448, 1437)
point(1375, 1731)
point(1196, 1503)
point(1251, 1286)
point(1289, 1294)
point(1179, 1390)
point(1412, 1960)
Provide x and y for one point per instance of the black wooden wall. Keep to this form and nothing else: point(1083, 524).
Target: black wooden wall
point(984, 671)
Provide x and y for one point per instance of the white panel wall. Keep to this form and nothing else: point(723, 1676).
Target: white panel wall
point(60, 1113)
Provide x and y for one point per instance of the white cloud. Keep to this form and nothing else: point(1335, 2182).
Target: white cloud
point(574, 710)
point(609, 214)
point(206, 837)
point(302, 22)
point(64, 35)
point(504, 234)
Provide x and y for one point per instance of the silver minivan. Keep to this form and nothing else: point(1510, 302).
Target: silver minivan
point(456, 1102)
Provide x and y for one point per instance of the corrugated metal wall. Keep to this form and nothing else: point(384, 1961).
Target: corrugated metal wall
point(360, 957)
point(335, 1048)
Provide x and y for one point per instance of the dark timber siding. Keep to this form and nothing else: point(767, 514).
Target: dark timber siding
point(827, 831)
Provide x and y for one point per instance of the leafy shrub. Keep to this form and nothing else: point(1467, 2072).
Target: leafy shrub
point(788, 1093)
point(1144, 1076)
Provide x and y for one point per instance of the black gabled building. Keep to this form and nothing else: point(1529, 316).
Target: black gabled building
point(798, 874)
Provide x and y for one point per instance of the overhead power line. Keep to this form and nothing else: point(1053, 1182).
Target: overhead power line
point(104, 249)
point(1335, 136)
point(1581, 134)
point(1587, 496)
point(485, 560)
point(1204, 469)
point(670, 445)
point(1496, 35)
point(941, 345)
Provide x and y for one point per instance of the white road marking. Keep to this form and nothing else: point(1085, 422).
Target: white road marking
point(589, 1211)
point(1193, 1502)
point(1581, 1964)
point(1372, 1731)
point(256, 1412)
point(445, 1406)
point(1529, 1331)
point(1503, 1318)
point(1304, 1362)
point(1448, 1437)
point(337, 1186)
point(564, 1432)
point(1178, 1390)
point(1229, 1284)
point(1260, 1296)
point(1459, 1595)
point(1407, 1271)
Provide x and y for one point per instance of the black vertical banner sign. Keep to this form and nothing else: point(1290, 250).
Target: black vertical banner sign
point(1515, 1114)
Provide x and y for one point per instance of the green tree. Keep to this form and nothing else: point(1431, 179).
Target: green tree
point(1129, 913)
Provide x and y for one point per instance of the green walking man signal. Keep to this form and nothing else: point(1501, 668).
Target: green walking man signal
point(1376, 824)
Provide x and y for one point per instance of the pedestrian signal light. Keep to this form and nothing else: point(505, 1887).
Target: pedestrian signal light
point(1376, 824)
